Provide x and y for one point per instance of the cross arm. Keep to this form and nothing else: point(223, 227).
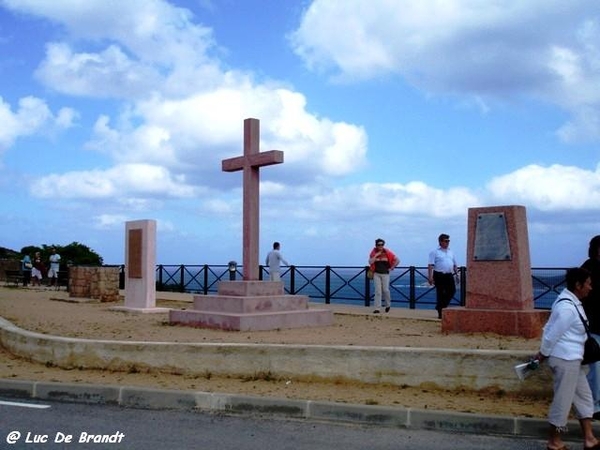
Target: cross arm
point(257, 160)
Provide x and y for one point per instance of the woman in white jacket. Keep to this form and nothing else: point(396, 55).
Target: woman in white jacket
point(562, 344)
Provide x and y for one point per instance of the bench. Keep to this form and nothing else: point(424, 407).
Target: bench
point(13, 277)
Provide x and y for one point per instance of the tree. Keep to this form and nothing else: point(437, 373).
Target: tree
point(71, 254)
point(7, 253)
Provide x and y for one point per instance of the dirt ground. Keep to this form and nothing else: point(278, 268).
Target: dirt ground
point(50, 312)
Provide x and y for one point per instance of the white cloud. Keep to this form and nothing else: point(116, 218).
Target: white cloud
point(219, 207)
point(196, 132)
point(110, 73)
point(583, 127)
point(489, 50)
point(553, 188)
point(109, 221)
point(32, 116)
point(130, 179)
point(389, 199)
point(154, 30)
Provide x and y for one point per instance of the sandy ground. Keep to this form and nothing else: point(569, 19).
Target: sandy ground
point(47, 311)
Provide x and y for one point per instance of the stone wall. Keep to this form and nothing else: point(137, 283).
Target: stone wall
point(98, 283)
point(8, 264)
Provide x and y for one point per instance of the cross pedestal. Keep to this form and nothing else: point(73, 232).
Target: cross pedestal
point(251, 304)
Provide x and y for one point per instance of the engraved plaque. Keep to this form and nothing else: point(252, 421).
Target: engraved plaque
point(135, 254)
point(491, 238)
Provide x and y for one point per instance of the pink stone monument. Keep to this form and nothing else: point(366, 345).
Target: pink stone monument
point(250, 304)
point(499, 297)
point(250, 163)
point(140, 268)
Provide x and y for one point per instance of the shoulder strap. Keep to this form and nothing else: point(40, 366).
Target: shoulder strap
point(585, 324)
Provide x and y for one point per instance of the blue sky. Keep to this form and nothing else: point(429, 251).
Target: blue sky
point(395, 118)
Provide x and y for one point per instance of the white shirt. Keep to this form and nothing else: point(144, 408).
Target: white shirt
point(564, 334)
point(442, 260)
point(55, 261)
point(274, 259)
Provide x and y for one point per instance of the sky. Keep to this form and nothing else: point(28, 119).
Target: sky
point(395, 117)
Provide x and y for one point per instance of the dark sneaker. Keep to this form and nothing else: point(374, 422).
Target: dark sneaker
point(376, 311)
point(387, 309)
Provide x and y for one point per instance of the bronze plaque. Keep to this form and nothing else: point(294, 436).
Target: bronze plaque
point(135, 254)
point(491, 238)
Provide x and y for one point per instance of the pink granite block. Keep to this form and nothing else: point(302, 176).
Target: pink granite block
point(236, 304)
point(528, 324)
point(500, 284)
point(249, 288)
point(254, 321)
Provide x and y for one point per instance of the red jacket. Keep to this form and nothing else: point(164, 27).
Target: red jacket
point(391, 257)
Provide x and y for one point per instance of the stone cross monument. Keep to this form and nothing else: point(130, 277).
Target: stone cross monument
point(251, 304)
point(250, 163)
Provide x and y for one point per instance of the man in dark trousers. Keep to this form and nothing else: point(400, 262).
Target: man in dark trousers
point(442, 269)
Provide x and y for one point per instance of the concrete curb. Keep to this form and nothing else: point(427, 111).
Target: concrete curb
point(449, 368)
point(393, 417)
point(218, 403)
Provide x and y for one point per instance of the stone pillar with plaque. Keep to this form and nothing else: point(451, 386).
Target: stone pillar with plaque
point(140, 267)
point(499, 292)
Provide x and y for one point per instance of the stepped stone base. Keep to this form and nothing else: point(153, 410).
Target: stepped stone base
point(525, 323)
point(130, 309)
point(251, 306)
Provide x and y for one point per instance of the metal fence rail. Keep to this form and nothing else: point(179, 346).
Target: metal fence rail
point(344, 284)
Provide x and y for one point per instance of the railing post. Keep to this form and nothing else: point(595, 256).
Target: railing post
point(232, 268)
point(412, 296)
point(160, 278)
point(292, 280)
point(205, 288)
point(367, 288)
point(122, 277)
point(327, 285)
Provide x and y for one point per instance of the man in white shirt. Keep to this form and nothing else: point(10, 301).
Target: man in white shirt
point(273, 261)
point(442, 269)
point(54, 267)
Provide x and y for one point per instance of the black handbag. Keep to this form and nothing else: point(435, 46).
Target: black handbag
point(591, 348)
point(591, 351)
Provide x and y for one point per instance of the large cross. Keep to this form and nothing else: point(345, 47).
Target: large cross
point(250, 163)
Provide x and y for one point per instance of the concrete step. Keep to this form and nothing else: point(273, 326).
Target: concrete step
point(244, 288)
point(252, 321)
point(251, 304)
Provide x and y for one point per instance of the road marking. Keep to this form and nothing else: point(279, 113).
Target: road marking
point(24, 405)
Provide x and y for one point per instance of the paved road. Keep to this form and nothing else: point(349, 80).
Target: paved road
point(64, 425)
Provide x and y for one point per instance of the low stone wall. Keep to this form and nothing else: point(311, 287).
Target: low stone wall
point(428, 368)
point(8, 264)
point(98, 283)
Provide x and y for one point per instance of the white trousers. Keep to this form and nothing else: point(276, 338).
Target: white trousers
point(382, 289)
point(571, 388)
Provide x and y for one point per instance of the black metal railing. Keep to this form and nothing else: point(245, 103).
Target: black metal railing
point(344, 284)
